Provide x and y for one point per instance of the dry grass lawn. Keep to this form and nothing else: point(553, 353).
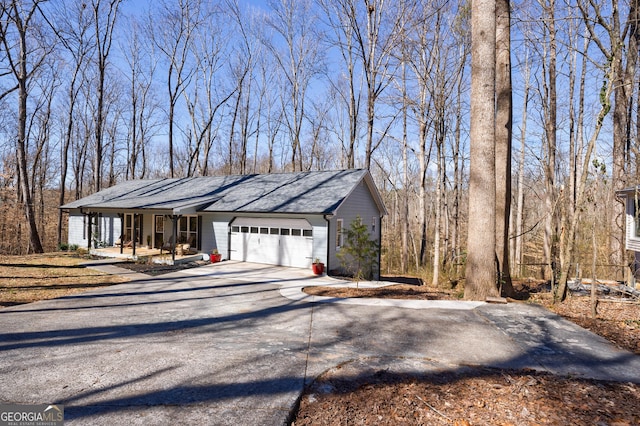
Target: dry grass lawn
point(26, 279)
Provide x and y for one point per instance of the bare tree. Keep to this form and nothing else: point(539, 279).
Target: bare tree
point(105, 13)
point(75, 25)
point(625, 85)
point(18, 30)
point(519, 229)
point(207, 95)
point(338, 16)
point(142, 65)
point(241, 71)
point(582, 183)
point(481, 244)
point(298, 57)
point(172, 32)
point(376, 28)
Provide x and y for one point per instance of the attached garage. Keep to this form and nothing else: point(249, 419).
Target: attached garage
point(275, 241)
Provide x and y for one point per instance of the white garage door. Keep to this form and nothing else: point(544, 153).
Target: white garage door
point(285, 242)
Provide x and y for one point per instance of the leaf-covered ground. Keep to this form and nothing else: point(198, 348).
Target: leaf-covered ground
point(469, 397)
point(26, 279)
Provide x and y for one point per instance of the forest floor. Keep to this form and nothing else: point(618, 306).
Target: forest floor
point(471, 396)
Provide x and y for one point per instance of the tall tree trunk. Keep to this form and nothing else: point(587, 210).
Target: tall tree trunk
point(481, 245)
point(404, 252)
point(550, 127)
point(503, 143)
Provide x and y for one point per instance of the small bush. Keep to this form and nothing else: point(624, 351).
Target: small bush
point(63, 247)
point(359, 255)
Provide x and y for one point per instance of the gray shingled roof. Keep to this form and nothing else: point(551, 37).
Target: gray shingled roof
point(303, 192)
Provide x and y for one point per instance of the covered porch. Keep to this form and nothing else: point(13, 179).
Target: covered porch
point(162, 236)
point(155, 255)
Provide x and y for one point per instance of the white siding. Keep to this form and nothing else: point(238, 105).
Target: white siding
point(359, 203)
point(215, 233)
point(76, 230)
point(108, 229)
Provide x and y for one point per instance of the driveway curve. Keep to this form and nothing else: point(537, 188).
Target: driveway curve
point(235, 343)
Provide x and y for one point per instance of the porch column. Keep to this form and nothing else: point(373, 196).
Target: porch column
point(135, 216)
point(89, 220)
point(174, 220)
point(121, 216)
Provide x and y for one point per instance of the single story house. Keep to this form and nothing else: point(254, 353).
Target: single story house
point(287, 219)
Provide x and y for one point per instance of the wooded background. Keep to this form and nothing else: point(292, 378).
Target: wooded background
point(97, 92)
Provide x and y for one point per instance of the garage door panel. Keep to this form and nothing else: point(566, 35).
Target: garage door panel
point(273, 243)
point(296, 251)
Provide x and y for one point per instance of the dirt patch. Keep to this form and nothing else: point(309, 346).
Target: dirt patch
point(481, 396)
point(26, 279)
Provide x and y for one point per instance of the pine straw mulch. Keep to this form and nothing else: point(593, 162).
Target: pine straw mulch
point(477, 396)
point(468, 397)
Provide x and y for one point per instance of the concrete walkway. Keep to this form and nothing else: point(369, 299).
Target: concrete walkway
point(235, 343)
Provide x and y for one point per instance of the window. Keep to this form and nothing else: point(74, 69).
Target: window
point(284, 231)
point(264, 230)
point(339, 233)
point(254, 229)
point(235, 229)
point(244, 229)
point(159, 219)
point(128, 227)
point(274, 231)
point(188, 230)
point(307, 233)
point(296, 232)
point(374, 222)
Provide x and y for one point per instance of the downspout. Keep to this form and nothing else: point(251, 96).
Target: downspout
point(328, 218)
point(229, 237)
point(380, 247)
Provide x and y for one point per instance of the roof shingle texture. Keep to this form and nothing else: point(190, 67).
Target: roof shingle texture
point(302, 192)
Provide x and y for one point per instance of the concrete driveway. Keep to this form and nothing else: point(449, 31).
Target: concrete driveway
point(234, 343)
